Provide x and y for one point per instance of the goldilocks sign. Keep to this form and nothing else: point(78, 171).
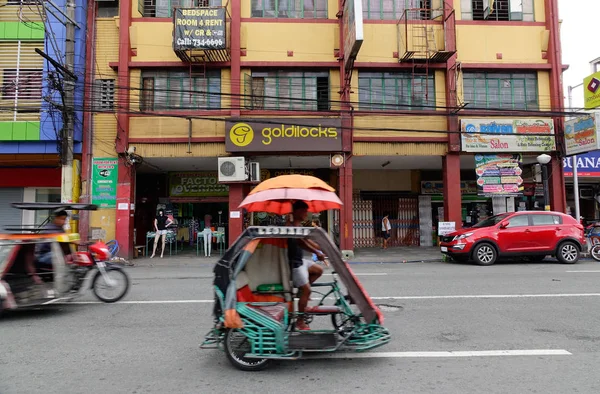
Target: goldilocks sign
point(287, 135)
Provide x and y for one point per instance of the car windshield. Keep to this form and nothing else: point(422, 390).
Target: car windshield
point(491, 221)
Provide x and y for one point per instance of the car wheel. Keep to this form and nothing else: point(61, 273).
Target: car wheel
point(485, 254)
point(568, 253)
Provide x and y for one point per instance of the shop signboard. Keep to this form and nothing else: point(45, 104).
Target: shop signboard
point(437, 187)
point(591, 91)
point(105, 173)
point(196, 184)
point(284, 135)
point(581, 134)
point(352, 22)
point(507, 135)
point(499, 175)
point(588, 165)
point(199, 28)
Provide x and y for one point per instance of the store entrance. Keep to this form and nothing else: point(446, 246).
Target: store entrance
point(192, 218)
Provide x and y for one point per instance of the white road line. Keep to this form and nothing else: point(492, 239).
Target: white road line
point(487, 296)
point(145, 302)
point(365, 274)
point(449, 297)
point(447, 354)
point(597, 271)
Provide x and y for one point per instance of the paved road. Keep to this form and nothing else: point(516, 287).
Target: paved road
point(139, 346)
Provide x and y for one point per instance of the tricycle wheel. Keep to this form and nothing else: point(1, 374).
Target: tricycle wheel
point(236, 346)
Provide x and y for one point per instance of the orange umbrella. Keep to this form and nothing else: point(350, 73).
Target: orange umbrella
point(292, 182)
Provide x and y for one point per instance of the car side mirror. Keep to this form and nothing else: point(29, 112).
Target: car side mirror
point(503, 225)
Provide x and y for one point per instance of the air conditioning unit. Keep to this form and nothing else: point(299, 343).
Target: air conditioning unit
point(232, 169)
point(254, 170)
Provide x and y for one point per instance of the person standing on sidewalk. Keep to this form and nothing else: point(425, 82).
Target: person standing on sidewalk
point(386, 229)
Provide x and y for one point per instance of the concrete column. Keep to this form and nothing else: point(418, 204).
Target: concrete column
point(125, 214)
point(452, 194)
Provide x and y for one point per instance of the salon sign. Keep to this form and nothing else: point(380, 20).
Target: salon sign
point(507, 135)
point(196, 184)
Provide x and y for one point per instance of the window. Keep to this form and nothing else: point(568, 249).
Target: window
point(167, 90)
point(45, 195)
point(22, 2)
point(288, 90)
point(108, 9)
point(164, 8)
point(22, 84)
point(307, 9)
point(518, 221)
point(498, 10)
point(499, 90)
point(546, 220)
point(395, 91)
point(104, 92)
point(394, 9)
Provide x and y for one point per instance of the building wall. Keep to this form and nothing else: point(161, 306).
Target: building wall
point(313, 45)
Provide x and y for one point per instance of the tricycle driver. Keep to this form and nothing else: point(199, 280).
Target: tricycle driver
point(304, 272)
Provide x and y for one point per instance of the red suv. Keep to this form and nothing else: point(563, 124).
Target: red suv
point(534, 235)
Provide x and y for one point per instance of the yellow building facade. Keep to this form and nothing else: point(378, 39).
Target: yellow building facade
point(426, 70)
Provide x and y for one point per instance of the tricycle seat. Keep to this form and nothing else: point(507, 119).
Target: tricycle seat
point(276, 312)
point(322, 310)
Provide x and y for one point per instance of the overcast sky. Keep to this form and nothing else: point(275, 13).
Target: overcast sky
point(580, 42)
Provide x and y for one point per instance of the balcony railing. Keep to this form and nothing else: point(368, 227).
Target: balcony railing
point(423, 33)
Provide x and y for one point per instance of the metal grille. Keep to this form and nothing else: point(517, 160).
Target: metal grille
point(104, 90)
point(164, 8)
point(309, 9)
point(363, 226)
point(368, 214)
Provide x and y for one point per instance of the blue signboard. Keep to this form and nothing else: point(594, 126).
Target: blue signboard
point(588, 165)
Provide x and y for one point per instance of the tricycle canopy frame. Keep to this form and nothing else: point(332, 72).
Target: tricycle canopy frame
point(228, 266)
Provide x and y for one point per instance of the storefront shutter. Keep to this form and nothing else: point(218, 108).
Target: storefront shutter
point(10, 216)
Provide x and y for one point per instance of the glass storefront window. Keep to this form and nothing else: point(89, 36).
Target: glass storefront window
point(45, 195)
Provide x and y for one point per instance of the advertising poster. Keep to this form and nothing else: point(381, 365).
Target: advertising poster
point(581, 134)
point(199, 28)
point(104, 182)
point(507, 135)
point(499, 175)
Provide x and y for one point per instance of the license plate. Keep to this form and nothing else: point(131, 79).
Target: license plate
point(444, 249)
point(100, 264)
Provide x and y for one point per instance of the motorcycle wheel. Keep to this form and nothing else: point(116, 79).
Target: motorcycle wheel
point(120, 289)
point(595, 252)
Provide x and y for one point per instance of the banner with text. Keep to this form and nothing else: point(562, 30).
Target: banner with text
point(196, 184)
point(105, 174)
point(507, 135)
point(588, 165)
point(199, 28)
point(499, 175)
point(581, 134)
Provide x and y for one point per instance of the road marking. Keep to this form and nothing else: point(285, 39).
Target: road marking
point(447, 354)
point(145, 302)
point(597, 271)
point(365, 274)
point(449, 297)
point(487, 296)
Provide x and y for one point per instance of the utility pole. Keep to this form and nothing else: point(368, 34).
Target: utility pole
point(69, 118)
